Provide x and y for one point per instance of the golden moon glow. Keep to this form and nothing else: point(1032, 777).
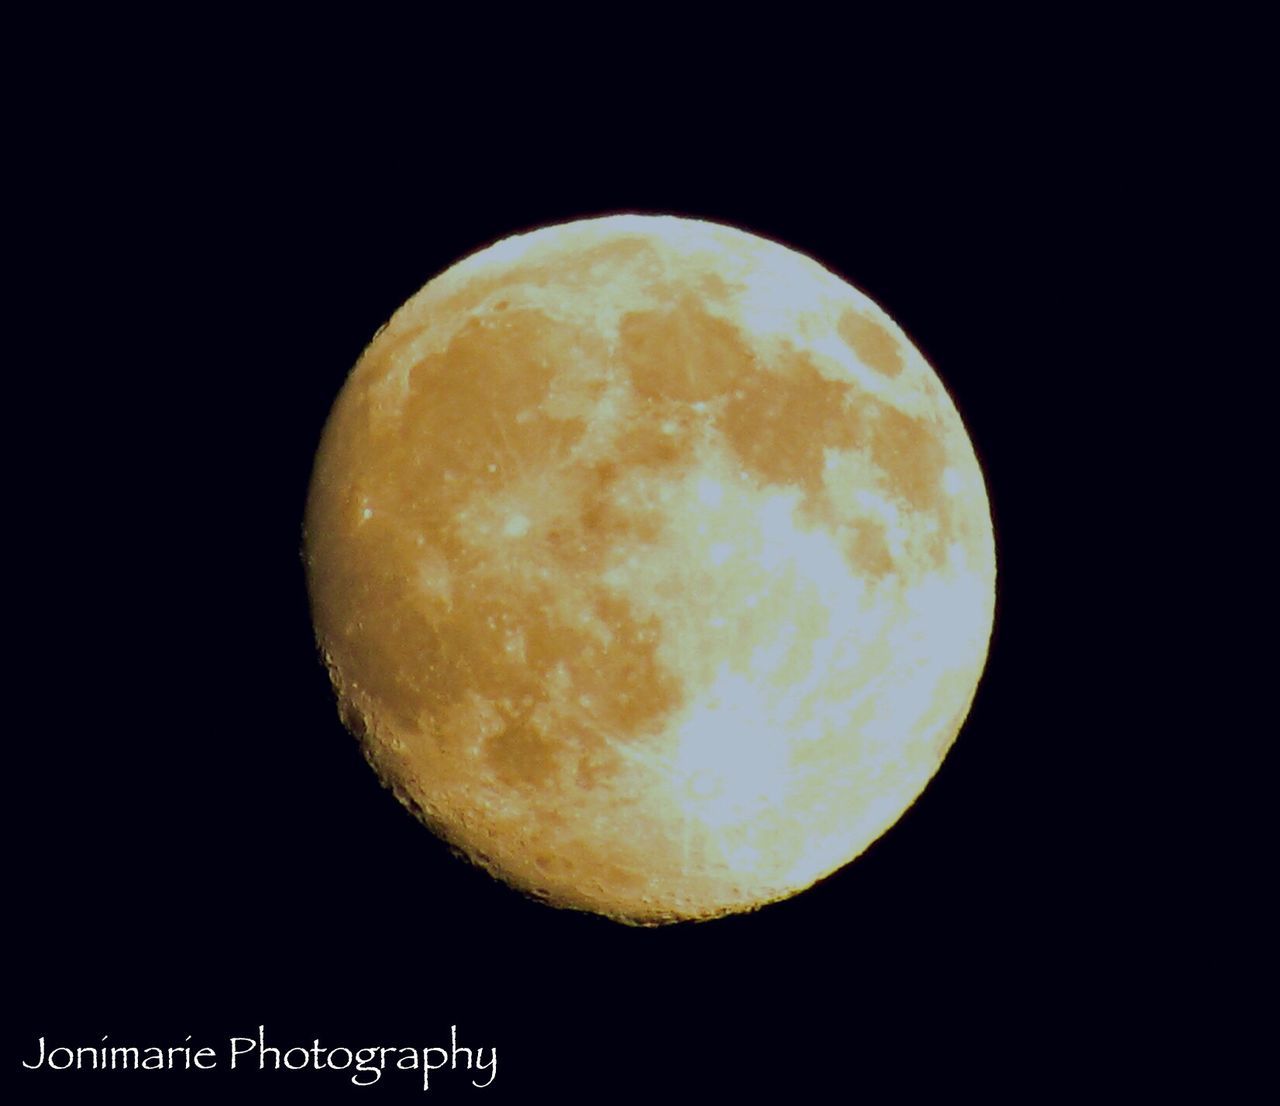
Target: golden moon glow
point(652, 565)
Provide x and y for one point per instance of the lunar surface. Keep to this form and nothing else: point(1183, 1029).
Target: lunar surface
point(652, 566)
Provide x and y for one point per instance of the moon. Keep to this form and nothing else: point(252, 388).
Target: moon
point(652, 565)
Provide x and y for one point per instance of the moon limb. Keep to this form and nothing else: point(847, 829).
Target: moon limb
point(652, 562)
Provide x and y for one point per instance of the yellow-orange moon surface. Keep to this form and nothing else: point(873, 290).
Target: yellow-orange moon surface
point(652, 565)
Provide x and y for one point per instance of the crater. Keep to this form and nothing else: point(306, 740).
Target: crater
point(874, 346)
point(682, 353)
point(867, 549)
point(521, 753)
point(780, 422)
point(475, 409)
point(911, 453)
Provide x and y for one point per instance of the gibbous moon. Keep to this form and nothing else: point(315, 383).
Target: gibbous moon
point(652, 566)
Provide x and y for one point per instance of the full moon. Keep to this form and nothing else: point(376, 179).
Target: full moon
point(652, 566)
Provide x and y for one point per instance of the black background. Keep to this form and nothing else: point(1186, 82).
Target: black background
point(199, 847)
